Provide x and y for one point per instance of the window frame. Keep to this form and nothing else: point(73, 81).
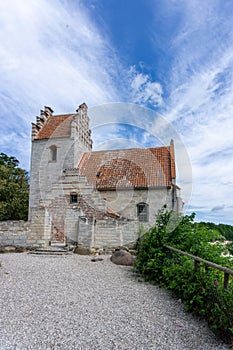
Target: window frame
point(72, 196)
point(143, 212)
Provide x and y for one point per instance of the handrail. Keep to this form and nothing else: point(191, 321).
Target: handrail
point(197, 260)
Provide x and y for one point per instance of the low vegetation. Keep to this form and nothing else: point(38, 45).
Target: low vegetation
point(200, 288)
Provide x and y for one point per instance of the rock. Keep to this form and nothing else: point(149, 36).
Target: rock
point(12, 249)
point(81, 251)
point(122, 248)
point(93, 251)
point(20, 249)
point(9, 249)
point(133, 251)
point(122, 257)
point(70, 247)
point(96, 251)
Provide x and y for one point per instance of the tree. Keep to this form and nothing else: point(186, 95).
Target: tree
point(224, 229)
point(14, 189)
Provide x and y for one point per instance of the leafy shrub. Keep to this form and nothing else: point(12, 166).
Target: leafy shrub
point(230, 248)
point(200, 287)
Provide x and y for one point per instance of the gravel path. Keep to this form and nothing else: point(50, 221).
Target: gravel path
point(69, 302)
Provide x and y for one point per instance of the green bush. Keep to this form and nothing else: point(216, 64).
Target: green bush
point(200, 287)
point(230, 248)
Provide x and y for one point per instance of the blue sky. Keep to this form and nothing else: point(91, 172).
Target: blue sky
point(148, 71)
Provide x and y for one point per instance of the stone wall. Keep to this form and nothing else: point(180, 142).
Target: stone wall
point(115, 233)
point(39, 233)
point(14, 233)
point(85, 232)
point(26, 234)
point(125, 202)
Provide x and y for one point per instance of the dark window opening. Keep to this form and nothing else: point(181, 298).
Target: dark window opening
point(53, 153)
point(73, 198)
point(142, 212)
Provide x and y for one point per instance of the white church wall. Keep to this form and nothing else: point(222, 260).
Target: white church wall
point(125, 202)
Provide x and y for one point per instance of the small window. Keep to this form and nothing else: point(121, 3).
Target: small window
point(73, 198)
point(53, 150)
point(142, 212)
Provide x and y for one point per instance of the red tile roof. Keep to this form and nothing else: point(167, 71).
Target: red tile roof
point(56, 126)
point(130, 168)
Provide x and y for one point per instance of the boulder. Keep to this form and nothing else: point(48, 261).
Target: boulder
point(81, 251)
point(122, 257)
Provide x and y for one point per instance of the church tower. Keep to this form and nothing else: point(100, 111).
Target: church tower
point(58, 143)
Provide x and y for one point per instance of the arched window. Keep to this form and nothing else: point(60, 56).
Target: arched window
point(143, 212)
point(53, 153)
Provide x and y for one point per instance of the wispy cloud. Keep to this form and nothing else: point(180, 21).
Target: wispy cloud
point(200, 103)
point(217, 208)
point(50, 53)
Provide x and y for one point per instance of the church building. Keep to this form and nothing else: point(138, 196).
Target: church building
point(96, 199)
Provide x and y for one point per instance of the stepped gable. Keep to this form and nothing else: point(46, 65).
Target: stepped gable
point(56, 126)
point(137, 168)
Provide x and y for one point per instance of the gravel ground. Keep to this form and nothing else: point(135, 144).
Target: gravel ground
point(69, 302)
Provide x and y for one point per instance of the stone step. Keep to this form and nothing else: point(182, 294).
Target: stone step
point(34, 252)
point(52, 250)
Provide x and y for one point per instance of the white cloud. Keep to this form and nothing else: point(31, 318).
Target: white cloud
point(144, 91)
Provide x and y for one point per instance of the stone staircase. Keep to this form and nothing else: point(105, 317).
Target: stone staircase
point(91, 196)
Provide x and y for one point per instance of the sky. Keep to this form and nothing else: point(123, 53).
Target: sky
point(149, 70)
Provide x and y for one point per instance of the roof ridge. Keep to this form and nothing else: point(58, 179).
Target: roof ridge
point(128, 149)
point(64, 115)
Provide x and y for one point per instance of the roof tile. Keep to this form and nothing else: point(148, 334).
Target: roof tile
point(131, 168)
point(56, 126)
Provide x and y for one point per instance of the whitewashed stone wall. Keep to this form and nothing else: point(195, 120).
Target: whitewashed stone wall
point(24, 233)
point(125, 202)
point(39, 234)
point(44, 171)
point(113, 233)
point(14, 233)
point(86, 232)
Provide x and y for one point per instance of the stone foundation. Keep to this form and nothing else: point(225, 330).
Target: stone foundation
point(102, 234)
